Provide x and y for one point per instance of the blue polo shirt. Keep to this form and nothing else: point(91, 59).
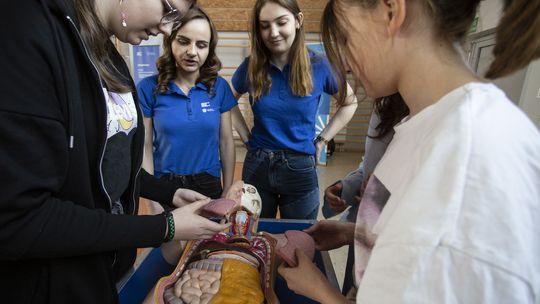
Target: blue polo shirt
point(281, 119)
point(186, 127)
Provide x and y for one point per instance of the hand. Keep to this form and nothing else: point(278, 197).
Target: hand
point(189, 225)
point(235, 191)
point(330, 234)
point(332, 195)
point(183, 197)
point(319, 147)
point(317, 287)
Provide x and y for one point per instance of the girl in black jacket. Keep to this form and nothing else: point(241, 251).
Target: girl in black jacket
point(71, 137)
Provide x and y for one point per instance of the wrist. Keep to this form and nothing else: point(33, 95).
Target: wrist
point(319, 139)
point(169, 226)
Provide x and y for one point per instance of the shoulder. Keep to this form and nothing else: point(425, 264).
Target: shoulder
point(243, 66)
point(489, 110)
point(317, 58)
point(220, 81)
point(320, 63)
point(148, 82)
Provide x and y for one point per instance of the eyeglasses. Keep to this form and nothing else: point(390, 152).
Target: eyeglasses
point(172, 15)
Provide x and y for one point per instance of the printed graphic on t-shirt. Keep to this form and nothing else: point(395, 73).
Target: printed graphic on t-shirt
point(121, 113)
point(373, 200)
point(116, 163)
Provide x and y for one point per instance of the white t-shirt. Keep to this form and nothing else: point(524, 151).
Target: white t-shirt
point(461, 222)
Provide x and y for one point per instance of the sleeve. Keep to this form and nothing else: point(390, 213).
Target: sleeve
point(239, 80)
point(157, 190)
point(227, 98)
point(147, 98)
point(330, 85)
point(34, 221)
point(352, 184)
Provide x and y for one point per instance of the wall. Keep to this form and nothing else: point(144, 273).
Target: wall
point(233, 15)
point(530, 96)
point(489, 13)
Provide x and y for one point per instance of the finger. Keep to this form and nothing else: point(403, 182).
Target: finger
point(213, 227)
point(312, 228)
point(301, 256)
point(196, 196)
point(196, 206)
point(337, 202)
point(283, 270)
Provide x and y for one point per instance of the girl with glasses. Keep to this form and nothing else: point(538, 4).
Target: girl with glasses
point(285, 82)
point(72, 147)
point(460, 180)
point(187, 111)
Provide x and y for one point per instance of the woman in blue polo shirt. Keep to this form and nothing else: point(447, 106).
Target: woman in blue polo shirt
point(187, 111)
point(285, 82)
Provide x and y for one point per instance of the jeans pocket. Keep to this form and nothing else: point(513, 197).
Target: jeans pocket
point(300, 163)
point(252, 165)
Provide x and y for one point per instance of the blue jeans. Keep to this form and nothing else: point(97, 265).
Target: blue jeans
point(284, 179)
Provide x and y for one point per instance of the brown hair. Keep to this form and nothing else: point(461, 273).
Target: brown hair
point(166, 64)
point(391, 110)
point(96, 40)
point(451, 18)
point(300, 79)
point(519, 28)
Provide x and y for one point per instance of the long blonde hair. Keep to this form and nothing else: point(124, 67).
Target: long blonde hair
point(300, 79)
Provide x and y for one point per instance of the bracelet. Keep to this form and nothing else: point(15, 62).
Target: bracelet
point(170, 226)
point(320, 138)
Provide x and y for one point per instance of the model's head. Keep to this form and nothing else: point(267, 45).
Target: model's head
point(277, 31)
point(374, 38)
point(190, 50)
point(130, 21)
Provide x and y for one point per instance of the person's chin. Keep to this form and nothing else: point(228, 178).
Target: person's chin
point(190, 69)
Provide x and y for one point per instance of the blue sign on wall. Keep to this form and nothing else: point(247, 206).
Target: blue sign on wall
point(144, 61)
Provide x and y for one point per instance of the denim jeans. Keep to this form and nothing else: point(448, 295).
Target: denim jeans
point(284, 179)
point(203, 183)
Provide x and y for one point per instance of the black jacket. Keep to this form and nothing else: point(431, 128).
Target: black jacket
point(58, 241)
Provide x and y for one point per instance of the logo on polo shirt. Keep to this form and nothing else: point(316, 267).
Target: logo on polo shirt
point(206, 107)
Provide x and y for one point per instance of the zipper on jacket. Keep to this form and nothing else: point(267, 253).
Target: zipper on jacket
point(101, 88)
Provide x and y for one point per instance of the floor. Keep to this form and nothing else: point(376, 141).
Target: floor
point(338, 165)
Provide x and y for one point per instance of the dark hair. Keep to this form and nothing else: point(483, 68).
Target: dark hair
point(300, 79)
point(166, 64)
point(335, 36)
point(391, 110)
point(519, 28)
point(96, 39)
point(451, 18)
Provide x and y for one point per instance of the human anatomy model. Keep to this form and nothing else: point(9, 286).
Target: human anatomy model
point(236, 266)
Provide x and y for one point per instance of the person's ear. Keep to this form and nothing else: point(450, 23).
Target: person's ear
point(396, 12)
point(299, 20)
